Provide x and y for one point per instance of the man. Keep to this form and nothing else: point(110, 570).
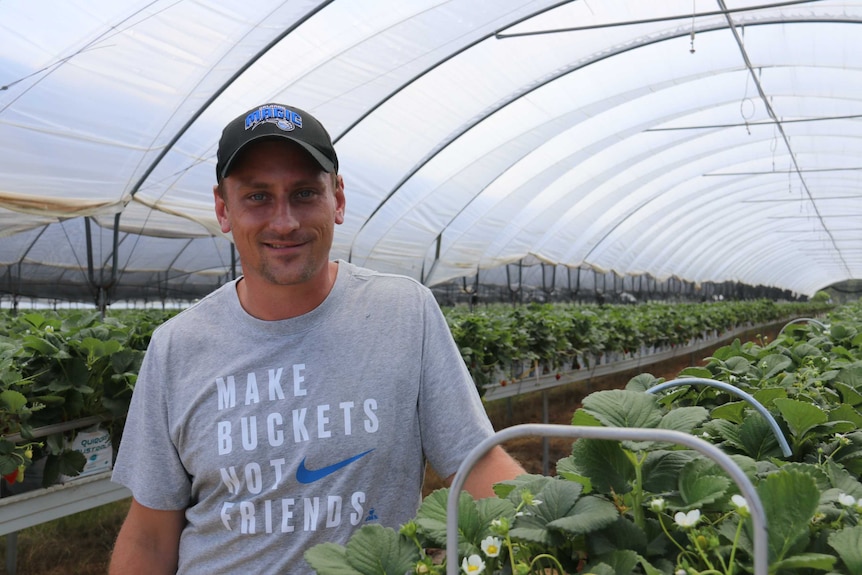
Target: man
point(301, 401)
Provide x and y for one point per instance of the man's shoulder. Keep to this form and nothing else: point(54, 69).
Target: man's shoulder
point(382, 279)
point(390, 288)
point(205, 308)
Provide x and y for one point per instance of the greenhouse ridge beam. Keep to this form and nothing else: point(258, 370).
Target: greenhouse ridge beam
point(693, 16)
point(759, 123)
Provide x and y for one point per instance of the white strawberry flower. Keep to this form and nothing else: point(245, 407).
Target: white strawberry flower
point(686, 520)
point(741, 505)
point(472, 565)
point(491, 546)
point(846, 500)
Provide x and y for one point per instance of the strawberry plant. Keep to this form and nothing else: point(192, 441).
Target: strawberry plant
point(58, 367)
point(505, 344)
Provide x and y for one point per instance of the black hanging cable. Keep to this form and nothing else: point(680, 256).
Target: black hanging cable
point(778, 124)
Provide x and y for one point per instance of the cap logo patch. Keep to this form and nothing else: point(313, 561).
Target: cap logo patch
point(284, 118)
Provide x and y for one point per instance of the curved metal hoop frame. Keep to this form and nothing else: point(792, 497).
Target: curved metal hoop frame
point(803, 319)
point(758, 515)
point(782, 441)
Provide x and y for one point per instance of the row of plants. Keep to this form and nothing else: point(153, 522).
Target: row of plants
point(649, 508)
point(497, 340)
point(58, 367)
point(61, 366)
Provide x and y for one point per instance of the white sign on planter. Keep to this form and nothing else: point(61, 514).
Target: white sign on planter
point(95, 444)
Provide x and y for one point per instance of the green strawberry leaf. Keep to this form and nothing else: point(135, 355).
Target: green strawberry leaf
point(733, 411)
point(40, 346)
point(844, 412)
point(788, 523)
point(431, 517)
point(582, 418)
point(757, 438)
point(599, 569)
point(725, 430)
point(329, 558)
point(642, 382)
point(661, 469)
point(558, 499)
point(848, 544)
point(620, 560)
point(819, 561)
point(649, 568)
point(622, 408)
point(590, 514)
point(700, 372)
point(378, 550)
point(851, 376)
point(512, 488)
point(15, 401)
point(738, 365)
point(800, 416)
point(699, 486)
point(841, 479)
point(765, 396)
point(491, 508)
point(604, 463)
point(774, 364)
point(684, 419)
point(621, 534)
point(568, 470)
point(849, 395)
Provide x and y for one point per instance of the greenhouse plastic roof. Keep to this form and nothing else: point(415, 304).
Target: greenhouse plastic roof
point(702, 140)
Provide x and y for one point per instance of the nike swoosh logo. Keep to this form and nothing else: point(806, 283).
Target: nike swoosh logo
point(305, 475)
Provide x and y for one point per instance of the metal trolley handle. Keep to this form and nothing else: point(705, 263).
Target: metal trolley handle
point(758, 515)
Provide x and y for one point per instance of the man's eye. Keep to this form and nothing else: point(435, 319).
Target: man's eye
point(306, 193)
point(257, 197)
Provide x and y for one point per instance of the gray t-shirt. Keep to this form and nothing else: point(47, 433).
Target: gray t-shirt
point(278, 435)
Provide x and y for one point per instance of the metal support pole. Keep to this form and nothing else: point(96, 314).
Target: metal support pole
point(12, 553)
point(546, 456)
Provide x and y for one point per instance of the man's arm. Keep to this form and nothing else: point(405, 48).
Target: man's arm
point(494, 467)
point(148, 542)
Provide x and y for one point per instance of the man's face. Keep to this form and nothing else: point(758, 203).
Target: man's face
point(282, 209)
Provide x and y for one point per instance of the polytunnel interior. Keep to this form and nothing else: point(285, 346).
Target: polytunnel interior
point(530, 149)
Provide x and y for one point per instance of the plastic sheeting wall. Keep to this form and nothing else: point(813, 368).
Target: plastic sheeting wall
point(709, 141)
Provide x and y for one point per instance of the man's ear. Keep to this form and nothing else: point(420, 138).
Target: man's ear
point(221, 210)
point(340, 202)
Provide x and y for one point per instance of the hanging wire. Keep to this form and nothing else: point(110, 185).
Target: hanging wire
point(773, 145)
point(745, 97)
point(806, 192)
point(693, 14)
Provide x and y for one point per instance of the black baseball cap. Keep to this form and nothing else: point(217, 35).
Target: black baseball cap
point(275, 121)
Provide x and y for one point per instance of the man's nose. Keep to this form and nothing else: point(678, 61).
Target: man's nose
point(284, 217)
